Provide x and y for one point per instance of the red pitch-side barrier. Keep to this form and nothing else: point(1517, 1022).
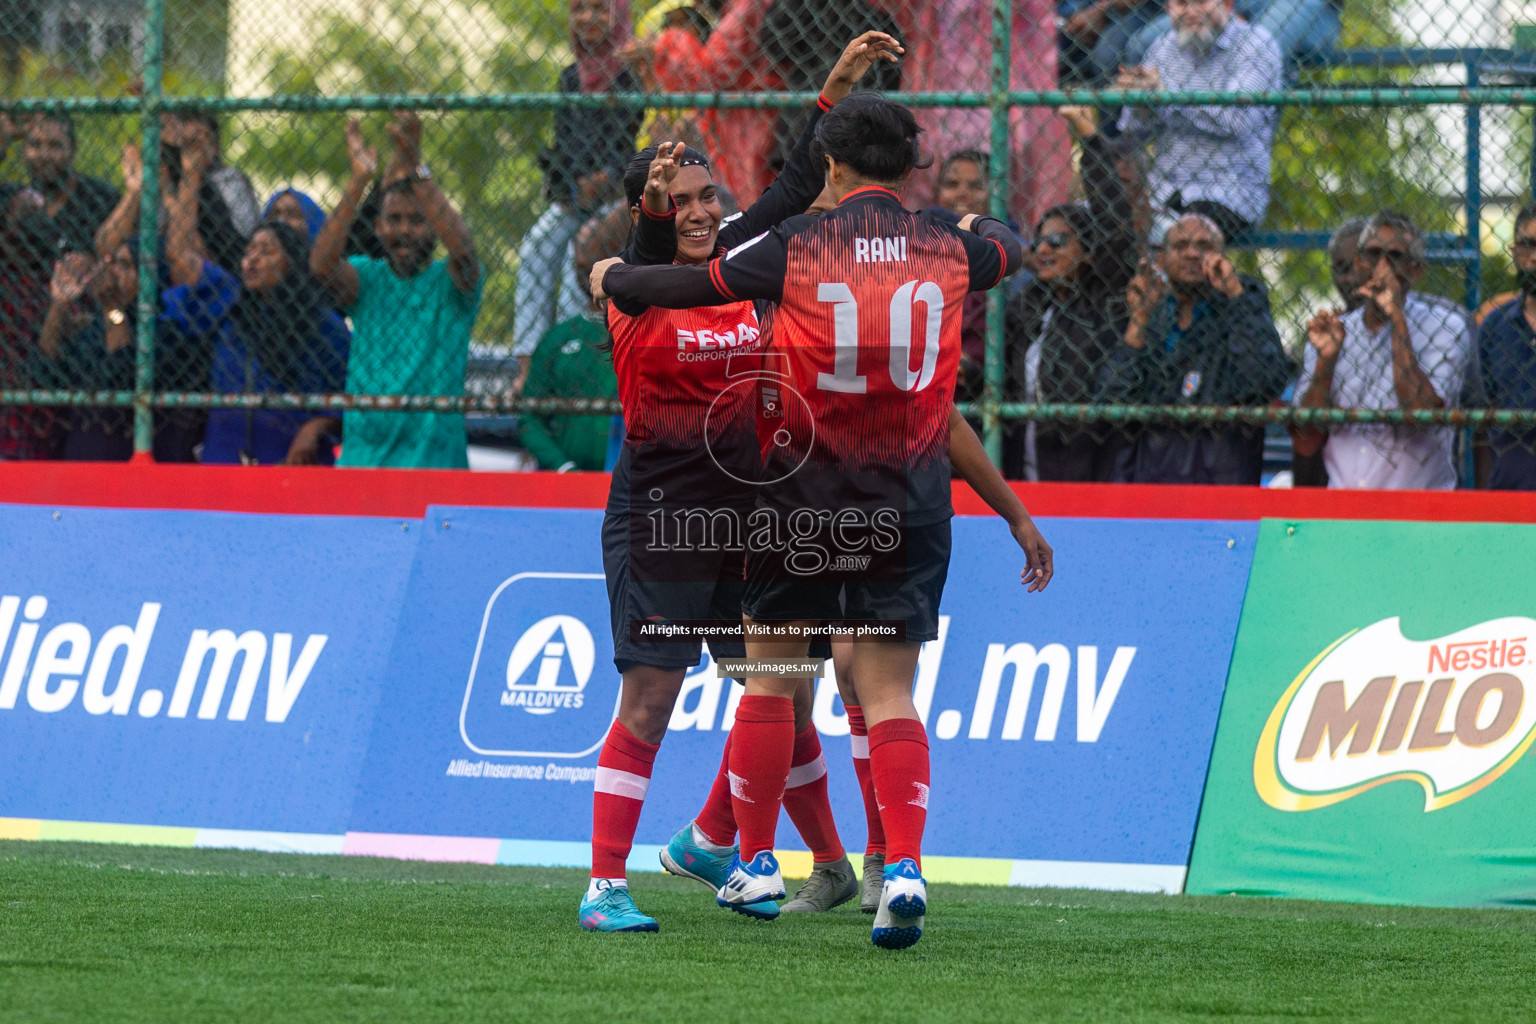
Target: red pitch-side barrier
point(407, 493)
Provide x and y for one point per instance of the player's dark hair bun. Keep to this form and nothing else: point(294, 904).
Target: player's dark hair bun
point(875, 137)
point(639, 170)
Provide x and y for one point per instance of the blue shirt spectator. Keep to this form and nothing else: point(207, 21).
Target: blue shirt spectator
point(1506, 354)
point(283, 338)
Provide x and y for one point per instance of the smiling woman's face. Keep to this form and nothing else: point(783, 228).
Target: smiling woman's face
point(698, 214)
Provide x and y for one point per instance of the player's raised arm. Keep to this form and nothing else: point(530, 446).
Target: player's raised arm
point(803, 177)
point(969, 460)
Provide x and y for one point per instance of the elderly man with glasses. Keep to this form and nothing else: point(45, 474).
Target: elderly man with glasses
point(1399, 350)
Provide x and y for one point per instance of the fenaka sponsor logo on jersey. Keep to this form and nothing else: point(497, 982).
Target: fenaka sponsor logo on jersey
point(705, 340)
point(1450, 714)
point(550, 666)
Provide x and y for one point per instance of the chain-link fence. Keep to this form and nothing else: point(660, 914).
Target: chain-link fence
point(200, 258)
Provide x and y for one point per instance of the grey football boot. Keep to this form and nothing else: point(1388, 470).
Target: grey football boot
point(830, 885)
point(874, 881)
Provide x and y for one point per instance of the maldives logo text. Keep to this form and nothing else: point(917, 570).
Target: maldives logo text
point(1449, 714)
point(547, 692)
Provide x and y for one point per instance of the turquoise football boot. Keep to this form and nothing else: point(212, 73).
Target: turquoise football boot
point(614, 911)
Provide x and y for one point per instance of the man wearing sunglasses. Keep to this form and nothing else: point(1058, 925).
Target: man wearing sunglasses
point(1506, 357)
point(1399, 350)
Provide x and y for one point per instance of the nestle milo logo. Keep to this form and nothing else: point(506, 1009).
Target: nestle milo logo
point(1449, 714)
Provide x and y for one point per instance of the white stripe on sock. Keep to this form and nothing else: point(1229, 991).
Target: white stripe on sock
point(860, 747)
point(805, 774)
point(618, 783)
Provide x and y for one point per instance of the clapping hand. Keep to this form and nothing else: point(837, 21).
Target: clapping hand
point(1080, 119)
point(1139, 78)
point(133, 167)
point(71, 278)
point(1325, 332)
point(363, 157)
point(858, 57)
point(405, 133)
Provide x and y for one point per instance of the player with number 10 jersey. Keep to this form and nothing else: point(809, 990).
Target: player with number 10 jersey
point(870, 299)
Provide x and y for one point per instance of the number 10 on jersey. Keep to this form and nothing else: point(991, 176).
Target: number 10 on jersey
point(845, 376)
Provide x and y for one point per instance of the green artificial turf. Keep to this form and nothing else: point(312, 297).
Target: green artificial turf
point(118, 933)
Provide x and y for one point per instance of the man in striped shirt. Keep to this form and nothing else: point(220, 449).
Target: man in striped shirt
point(1209, 160)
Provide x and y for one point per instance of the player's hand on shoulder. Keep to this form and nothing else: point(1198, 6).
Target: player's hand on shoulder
point(599, 271)
point(1039, 558)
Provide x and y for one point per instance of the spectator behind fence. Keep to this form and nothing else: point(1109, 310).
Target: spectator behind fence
point(679, 28)
point(1398, 350)
point(26, 432)
point(739, 141)
point(1300, 28)
point(1506, 361)
point(1344, 266)
point(571, 363)
point(297, 210)
point(284, 338)
point(1205, 337)
point(411, 315)
point(200, 128)
point(581, 171)
point(94, 348)
point(1097, 34)
point(964, 188)
point(949, 49)
point(221, 240)
point(1208, 160)
point(59, 209)
point(1063, 325)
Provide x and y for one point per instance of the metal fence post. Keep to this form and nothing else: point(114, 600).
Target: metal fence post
point(999, 166)
point(149, 232)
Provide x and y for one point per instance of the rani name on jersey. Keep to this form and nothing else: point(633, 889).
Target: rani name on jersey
point(880, 250)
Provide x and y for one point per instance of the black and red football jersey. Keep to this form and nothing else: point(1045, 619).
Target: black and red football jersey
point(686, 376)
point(870, 298)
point(690, 435)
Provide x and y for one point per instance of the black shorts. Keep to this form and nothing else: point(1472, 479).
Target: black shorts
point(903, 585)
point(668, 585)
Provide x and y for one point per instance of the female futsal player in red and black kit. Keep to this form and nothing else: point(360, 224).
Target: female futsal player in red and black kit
point(687, 476)
point(862, 292)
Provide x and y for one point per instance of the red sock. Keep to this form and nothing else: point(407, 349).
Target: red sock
point(623, 776)
point(718, 819)
point(805, 798)
point(860, 741)
point(898, 760)
point(764, 740)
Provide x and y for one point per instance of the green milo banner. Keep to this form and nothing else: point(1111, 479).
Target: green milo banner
point(1379, 708)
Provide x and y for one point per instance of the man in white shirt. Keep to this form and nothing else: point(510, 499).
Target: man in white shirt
point(1212, 161)
point(1400, 350)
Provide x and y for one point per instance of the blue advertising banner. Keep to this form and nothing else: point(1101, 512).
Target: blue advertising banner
point(1070, 731)
point(192, 669)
